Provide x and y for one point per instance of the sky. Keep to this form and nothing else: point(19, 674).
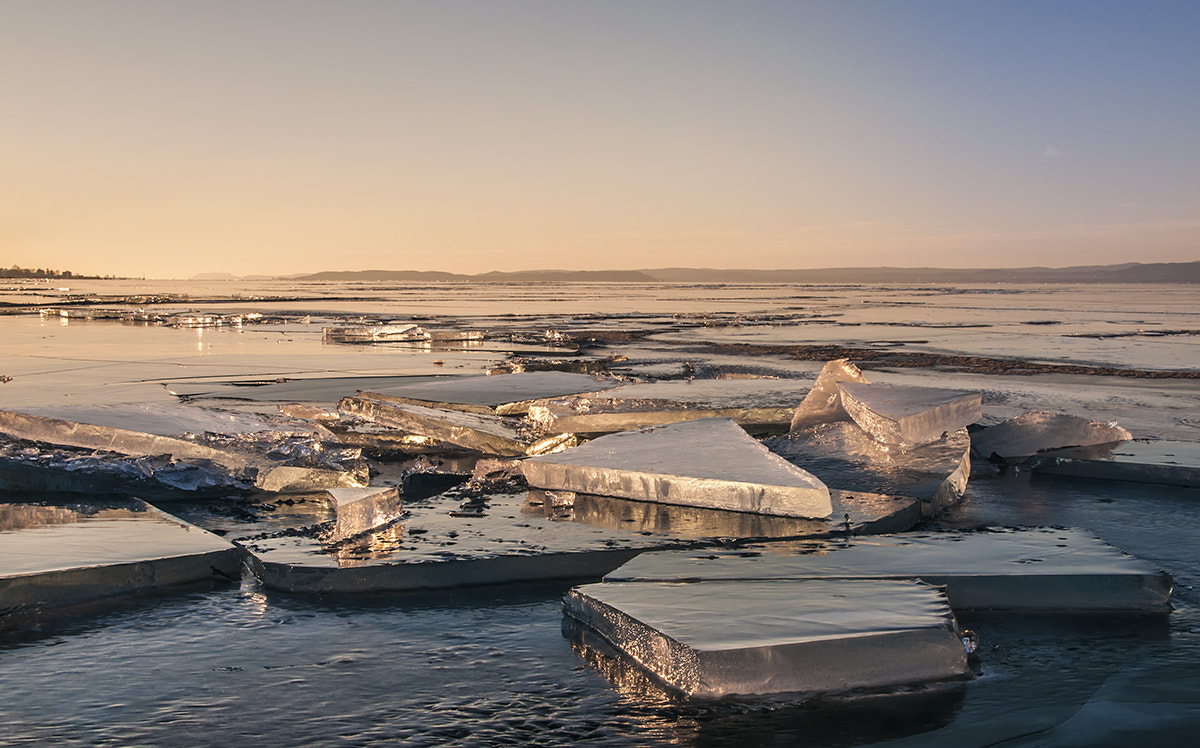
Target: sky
point(163, 139)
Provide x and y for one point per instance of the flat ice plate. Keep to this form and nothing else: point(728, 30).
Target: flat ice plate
point(711, 462)
point(36, 539)
point(1037, 568)
point(499, 389)
point(1142, 461)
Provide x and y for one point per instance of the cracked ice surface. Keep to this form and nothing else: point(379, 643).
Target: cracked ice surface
point(909, 417)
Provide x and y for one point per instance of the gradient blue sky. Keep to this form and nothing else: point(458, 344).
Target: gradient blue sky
point(171, 138)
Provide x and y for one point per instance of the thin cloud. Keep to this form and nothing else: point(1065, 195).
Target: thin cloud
point(1050, 151)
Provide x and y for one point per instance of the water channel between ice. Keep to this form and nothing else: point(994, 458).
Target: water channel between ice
point(488, 666)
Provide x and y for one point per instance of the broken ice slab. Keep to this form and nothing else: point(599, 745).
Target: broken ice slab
point(823, 403)
point(847, 458)
point(714, 640)
point(174, 419)
point(1030, 433)
point(471, 431)
point(584, 414)
point(61, 555)
point(709, 463)
point(437, 546)
point(499, 394)
point(1170, 463)
point(264, 474)
point(909, 417)
point(1030, 569)
point(359, 510)
point(374, 333)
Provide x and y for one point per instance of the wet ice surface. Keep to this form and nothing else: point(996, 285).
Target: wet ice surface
point(480, 667)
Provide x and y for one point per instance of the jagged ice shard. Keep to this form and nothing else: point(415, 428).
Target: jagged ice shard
point(908, 417)
point(362, 509)
point(1030, 433)
point(823, 403)
point(719, 639)
point(711, 463)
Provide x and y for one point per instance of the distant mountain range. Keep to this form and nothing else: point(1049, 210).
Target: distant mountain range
point(1130, 272)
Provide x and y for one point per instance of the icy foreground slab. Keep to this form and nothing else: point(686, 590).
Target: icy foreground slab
point(361, 509)
point(1030, 433)
point(502, 394)
point(909, 417)
point(53, 556)
point(1140, 461)
point(709, 463)
point(823, 403)
point(847, 458)
point(718, 639)
point(1035, 569)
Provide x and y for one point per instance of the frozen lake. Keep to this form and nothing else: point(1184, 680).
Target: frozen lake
point(490, 666)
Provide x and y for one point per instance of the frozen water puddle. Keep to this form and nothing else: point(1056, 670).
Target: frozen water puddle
point(822, 617)
point(54, 556)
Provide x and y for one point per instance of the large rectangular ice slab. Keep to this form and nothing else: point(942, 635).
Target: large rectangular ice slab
point(710, 463)
point(472, 431)
point(52, 556)
point(1035, 569)
point(719, 639)
point(908, 417)
point(1139, 461)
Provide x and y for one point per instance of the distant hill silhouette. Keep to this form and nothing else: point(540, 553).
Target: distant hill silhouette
point(1130, 272)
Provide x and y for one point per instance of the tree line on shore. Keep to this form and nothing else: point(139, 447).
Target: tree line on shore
point(16, 271)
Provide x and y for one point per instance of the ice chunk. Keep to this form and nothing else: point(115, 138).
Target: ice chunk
point(1141, 461)
point(847, 458)
point(1032, 569)
point(473, 431)
point(596, 415)
point(361, 509)
point(1030, 433)
point(710, 463)
point(54, 556)
point(375, 333)
point(718, 639)
point(908, 417)
point(823, 403)
point(265, 474)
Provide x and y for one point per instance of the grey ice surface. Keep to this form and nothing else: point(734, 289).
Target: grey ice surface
point(361, 509)
point(1139, 461)
point(739, 392)
point(473, 431)
point(909, 417)
point(587, 414)
point(437, 546)
point(308, 389)
point(1032, 569)
point(823, 403)
point(718, 639)
point(53, 556)
point(1035, 432)
point(709, 463)
point(504, 393)
point(847, 458)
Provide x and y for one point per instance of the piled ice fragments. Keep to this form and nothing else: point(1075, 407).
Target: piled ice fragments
point(825, 618)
